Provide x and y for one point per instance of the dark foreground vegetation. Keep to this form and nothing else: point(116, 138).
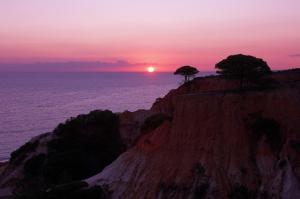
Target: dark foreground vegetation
point(75, 190)
point(80, 148)
point(247, 69)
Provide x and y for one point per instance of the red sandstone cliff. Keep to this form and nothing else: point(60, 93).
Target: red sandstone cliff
point(203, 140)
point(210, 148)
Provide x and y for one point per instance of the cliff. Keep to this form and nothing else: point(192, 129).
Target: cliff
point(208, 140)
point(220, 143)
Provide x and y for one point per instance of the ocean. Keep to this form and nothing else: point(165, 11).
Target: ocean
point(35, 103)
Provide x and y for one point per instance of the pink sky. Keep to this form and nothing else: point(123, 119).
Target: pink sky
point(164, 33)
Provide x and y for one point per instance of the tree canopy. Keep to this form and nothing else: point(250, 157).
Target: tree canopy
point(187, 71)
point(243, 67)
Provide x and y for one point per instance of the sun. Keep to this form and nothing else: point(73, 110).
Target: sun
point(150, 69)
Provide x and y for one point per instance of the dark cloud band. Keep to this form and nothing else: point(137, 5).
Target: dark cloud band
point(295, 55)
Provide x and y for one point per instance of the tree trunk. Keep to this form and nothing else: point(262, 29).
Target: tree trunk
point(185, 79)
point(242, 79)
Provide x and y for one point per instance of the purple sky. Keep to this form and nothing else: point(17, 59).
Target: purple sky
point(168, 33)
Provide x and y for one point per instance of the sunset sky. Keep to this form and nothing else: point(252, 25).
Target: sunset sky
point(129, 35)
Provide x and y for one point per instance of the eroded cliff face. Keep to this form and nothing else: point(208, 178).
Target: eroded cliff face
point(203, 140)
point(220, 143)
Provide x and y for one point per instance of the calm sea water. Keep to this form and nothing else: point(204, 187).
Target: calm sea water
point(34, 103)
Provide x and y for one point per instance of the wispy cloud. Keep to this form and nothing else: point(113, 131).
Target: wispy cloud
point(119, 65)
point(295, 55)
